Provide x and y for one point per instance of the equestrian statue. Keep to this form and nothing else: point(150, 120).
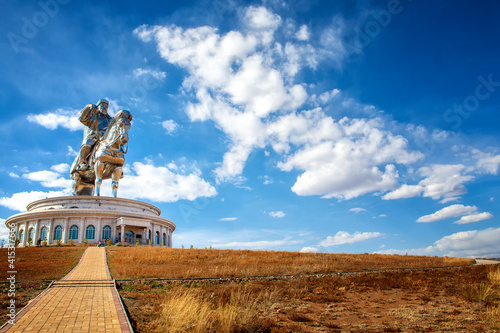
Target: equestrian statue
point(103, 149)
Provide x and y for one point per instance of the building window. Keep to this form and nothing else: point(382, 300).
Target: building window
point(129, 237)
point(90, 232)
point(73, 232)
point(164, 239)
point(43, 233)
point(106, 232)
point(149, 235)
point(58, 233)
point(157, 238)
point(31, 235)
point(21, 236)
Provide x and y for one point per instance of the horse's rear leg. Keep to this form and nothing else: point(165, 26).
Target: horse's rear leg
point(99, 170)
point(117, 173)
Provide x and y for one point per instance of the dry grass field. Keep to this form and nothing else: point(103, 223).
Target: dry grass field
point(155, 262)
point(465, 299)
point(34, 264)
point(41, 263)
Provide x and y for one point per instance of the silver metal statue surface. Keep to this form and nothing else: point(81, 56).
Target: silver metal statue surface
point(103, 149)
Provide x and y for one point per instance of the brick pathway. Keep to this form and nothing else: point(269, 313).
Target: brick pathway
point(85, 300)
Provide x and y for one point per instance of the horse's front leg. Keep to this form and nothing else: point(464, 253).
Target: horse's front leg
point(76, 182)
point(99, 170)
point(117, 173)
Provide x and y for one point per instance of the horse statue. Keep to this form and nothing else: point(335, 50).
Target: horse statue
point(105, 160)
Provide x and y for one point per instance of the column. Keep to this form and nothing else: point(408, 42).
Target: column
point(98, 232)
point(81, 232)
point(49, 232)
point(123, 233)
point(36, 232)
point(26, 235)
point(65, 231)
point(112, 224)
point(170, 238)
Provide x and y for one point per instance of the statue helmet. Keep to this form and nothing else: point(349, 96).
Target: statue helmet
point(102, 101)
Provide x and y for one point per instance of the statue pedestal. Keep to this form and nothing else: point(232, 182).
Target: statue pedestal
point(93, 218)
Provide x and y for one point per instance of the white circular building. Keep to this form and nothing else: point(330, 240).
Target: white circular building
point(92, 218)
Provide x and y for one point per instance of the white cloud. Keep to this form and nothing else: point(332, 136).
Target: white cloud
point(170, 125)
point(486, 162)
point(447, 212)
point(160, 184)
point(245, 84)
point(405, 191)
point(63, 118)
point(60, 168)
point(355, 159)
point(343, 237)
point(308, 249)
point(474, 218)
point(474, 243)
point(443, 182)
point(13, 175)
point(228, 219)
point(303, 33)
point(4, 233)
point(277, 214)
point(159, 75)
point(357, 210)
point(49, 178)
point(19, 201)
point(71, 151)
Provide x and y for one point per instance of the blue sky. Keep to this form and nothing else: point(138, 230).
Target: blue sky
point(344, 126)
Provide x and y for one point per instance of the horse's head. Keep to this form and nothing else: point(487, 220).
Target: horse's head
point(123, 123)
point(117, 132)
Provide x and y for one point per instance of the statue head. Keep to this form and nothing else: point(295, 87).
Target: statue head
point(102, 106)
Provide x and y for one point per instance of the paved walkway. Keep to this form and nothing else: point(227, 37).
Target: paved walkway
point(85, 300)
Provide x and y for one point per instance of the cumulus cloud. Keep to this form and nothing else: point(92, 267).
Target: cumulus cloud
point(19, 201)
point(4, 231)
point(473, 243)
point(170, 126)
point(277, 214)
point(443, 182)
point(308, 249)
point(486, 162)
point(303, 33)
point(447, 212)
point(13, 175)
point(474, 218)
point(244, 81)
point(60, 168)
point(49, 178)
point(59, 118)
point(343, 237)
point(160, 184)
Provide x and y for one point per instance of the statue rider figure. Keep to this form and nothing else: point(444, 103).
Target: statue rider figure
point(96, 120)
